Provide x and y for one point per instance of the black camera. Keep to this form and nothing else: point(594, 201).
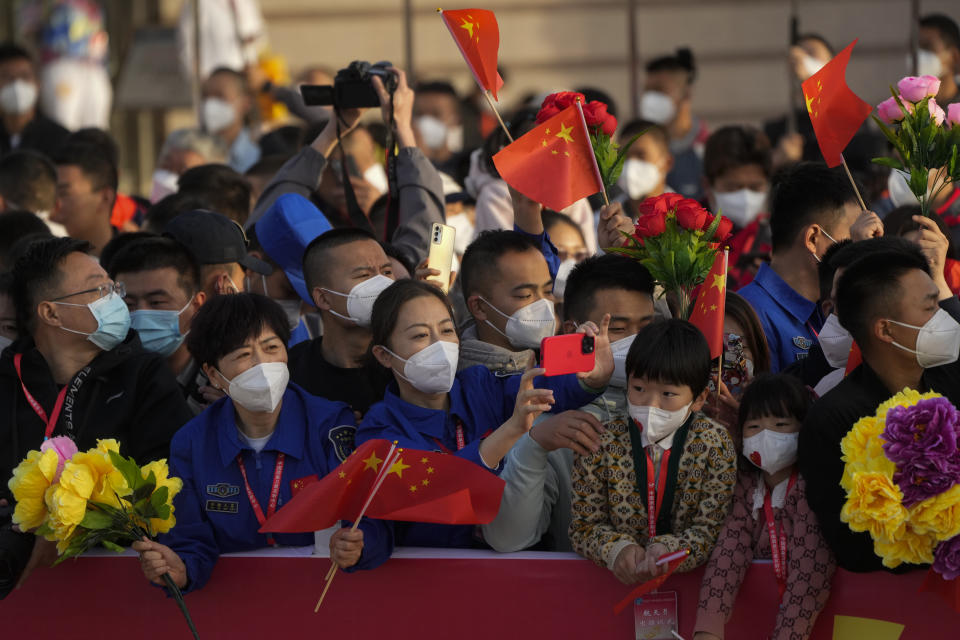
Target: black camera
point(352, 87)
point(587, 346)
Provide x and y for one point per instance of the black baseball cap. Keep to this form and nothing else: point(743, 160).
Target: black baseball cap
point(213, 238)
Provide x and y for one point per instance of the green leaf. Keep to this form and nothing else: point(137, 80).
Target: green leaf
point(44, 530)
point(93, 519)
point(159, 498)
point(112, 546)
point(128, 468)
point(892, 163)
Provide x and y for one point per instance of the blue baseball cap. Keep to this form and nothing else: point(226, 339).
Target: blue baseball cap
point(290, 224)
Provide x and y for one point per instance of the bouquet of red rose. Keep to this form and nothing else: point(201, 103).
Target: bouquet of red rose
point(676, 240)
point(601, 125)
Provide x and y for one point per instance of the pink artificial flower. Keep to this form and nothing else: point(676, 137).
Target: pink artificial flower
point(889, 111)
point(953, 114)
point(915, 89)
point(936, 112)
point(65, 448)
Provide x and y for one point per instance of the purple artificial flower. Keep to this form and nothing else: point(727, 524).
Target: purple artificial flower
point(923, 478)
point(923, 431)
point(946, 558)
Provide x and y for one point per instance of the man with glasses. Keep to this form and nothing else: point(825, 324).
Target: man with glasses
point(78, 371)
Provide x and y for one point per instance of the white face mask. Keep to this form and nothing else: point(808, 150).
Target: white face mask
point(811, 65)
point(464, 236)
point(928, 63)
point(657, 107)
point(455, 139)
point(528, 325)
point(899, 189)
point(361, 298)
point(639, 178)
point(164, 184)
point(5, 342)
point(938, 340)
point(433, 132)
point(620, 349)
point(658, 424)
point(217, 114)
point(433, 368)
point(742, 207)
point(563, 273)
point(835, 341)
point(18, 97)
point(260, 388)
point(771, 451)
point(377, 176)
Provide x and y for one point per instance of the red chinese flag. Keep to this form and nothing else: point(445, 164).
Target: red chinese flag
point(854, 359)
point(420, 486)
point(651, 585)
point(836, 112)
point(707, 313)
point(554, 163)
point(478, 37)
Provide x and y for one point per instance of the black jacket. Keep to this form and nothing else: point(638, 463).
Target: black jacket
point(126, 393)
point(41, 134)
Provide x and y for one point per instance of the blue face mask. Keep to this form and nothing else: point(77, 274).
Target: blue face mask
point(159, 330)
point(113, 321)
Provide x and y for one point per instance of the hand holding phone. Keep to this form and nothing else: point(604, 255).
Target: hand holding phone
point(440, 256)
point(570, 353)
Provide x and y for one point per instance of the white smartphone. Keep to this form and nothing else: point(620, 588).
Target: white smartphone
point(441, 253)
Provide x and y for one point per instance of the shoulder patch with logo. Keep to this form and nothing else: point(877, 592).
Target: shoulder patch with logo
point(223, 490)
point(342, 439)
point(223, 506)
point(802, 343)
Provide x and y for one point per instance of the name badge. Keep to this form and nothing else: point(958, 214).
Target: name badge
point(223, 490)
point(801, 342)
point(223, 506)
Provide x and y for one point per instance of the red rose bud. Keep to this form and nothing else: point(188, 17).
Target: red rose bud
point(724, 229)
point(691, 215)
point(650, 225)
point(597, 117)
point(660, 204)
point(557, 102)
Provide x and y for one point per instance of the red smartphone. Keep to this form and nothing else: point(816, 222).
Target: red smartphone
point(570, 353)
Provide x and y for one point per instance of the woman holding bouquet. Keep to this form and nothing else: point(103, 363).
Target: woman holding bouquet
point(247, 454)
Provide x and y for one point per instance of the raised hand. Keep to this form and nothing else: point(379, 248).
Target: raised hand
point(603, 364)
point(575, 430)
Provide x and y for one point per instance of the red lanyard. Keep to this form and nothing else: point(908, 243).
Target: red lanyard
point(51, 422)
point(461, 439)
point(778, 543)
point(274, 492)
point(655, 488)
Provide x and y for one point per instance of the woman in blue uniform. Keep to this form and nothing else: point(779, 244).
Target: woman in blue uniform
point(246, 455)
point(473, 414)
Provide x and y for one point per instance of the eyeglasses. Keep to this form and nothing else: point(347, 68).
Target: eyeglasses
point(103, 290)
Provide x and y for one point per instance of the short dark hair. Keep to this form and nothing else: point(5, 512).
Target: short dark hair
point(148, 254)
point(651, 129)
point(827, 269)
point(386, 309)
point(739, 310)
point(118, 243)
point(818, 38)
point(481, 259)
point(438, 86)
point(168, 208)
point(239, 78)
point(736, 146)
point(37, 273)
point(283, 141)
point(671, 352)
point(870, 288)
point(774, 395)
point(15, 225)
point(92, 161)
point(224, 190)
point(395, 254)
point(945, 26)
point(900, 222)
point(804, 194)
point(11, 51)
point(682, 60)
point(551, 218)
point(315, 260)
point(600, 273)
point(224, 323)
point(100, 139)
point(845, 253)
point(28, 180)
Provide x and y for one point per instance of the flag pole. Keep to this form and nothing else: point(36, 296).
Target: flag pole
point(593, 156)
point(486, 94)
point(726, 267)
point(863, 205)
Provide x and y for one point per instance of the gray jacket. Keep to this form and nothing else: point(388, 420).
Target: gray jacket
point(419, 186)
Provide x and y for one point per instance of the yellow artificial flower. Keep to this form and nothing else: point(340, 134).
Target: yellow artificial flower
point(938, 516)
point(910, 546)
point(29, 484)
point(875, 504)
point(108, 482)
point(161, 473)
point(106, 445)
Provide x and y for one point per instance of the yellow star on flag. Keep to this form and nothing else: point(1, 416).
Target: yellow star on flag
point(468, 26)
point(425, 482)
point(565, 133)
point(398, 467)
point(413, 488)
point(373, 462)
point(713, 307)
point(342, 475)
point(429, 469)
point(423, 460)
point(719, 281)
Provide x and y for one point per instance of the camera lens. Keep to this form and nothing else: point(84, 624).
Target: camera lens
point(587, 344)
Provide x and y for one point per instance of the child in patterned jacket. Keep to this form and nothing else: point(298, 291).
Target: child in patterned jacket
point(664, 474)
point(770, 518)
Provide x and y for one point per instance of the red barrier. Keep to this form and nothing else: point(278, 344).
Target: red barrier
point(473, 595)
